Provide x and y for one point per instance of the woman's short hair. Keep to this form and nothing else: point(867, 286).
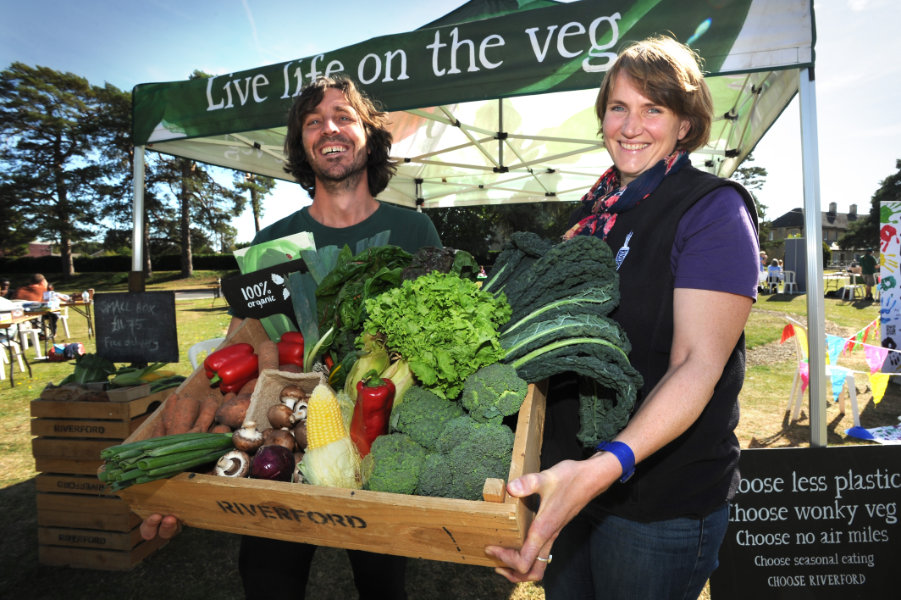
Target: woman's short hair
point(669, 73)
point(380, 167)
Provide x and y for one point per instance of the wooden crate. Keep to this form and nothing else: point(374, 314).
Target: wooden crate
point(80, 523)
point(94, 558)
point(442, 529)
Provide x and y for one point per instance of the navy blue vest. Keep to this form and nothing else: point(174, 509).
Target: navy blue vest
point(696, 472)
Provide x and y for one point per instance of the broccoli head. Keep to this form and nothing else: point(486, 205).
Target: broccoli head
point(493, 392)
point(396, 462)
point(423, 414)
point(468, 453)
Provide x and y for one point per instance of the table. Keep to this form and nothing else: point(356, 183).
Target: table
point(10, 338)
point(84, 309)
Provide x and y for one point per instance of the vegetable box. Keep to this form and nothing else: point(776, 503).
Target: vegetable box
point(443, 529)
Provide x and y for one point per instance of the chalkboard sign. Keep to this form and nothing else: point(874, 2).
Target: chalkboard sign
point(136, 327)
point(813, 523)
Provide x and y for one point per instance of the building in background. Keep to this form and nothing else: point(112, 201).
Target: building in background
point(834, 223)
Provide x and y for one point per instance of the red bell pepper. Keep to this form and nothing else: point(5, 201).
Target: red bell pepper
point(231, 370)
point(214, 361)
point(295, 337)
point(375, 397)
point(290, 349)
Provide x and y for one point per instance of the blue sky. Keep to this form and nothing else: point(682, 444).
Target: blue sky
point(125, 42)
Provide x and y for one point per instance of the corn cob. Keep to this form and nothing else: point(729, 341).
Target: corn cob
point(331, 458)
point(324, 421)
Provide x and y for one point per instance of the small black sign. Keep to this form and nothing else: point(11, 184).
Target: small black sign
point(813, 523)
point(136, 327)
point(262, 293)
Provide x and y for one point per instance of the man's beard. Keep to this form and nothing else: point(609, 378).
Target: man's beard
point(341, 177)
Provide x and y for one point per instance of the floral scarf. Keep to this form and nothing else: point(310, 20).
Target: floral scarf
point(606, 199)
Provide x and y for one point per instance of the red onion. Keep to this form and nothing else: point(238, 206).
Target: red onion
point(272, 462)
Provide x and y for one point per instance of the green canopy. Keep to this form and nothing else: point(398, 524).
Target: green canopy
point(494, 103)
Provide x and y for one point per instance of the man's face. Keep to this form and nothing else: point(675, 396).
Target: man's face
point(334, 140)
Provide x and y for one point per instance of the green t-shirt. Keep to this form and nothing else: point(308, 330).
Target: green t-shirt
point(867, 264)
point(410, 230)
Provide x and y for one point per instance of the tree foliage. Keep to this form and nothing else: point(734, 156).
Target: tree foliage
point(864, 233)
point(481, 230)
point(257, 187)
point(56, 159)
point(753, 178)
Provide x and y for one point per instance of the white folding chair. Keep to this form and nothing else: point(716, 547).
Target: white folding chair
point(64, 319)
point(29, 332)
point(788, 281)
point(7, 340)
point(797, 394)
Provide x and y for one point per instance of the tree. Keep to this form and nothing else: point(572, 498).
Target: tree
point(753, 178)
point(52, 161)
point(481, 230)
point(864, 233)
point(257, 186)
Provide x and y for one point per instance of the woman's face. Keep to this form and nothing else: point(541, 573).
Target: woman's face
point(637, 132)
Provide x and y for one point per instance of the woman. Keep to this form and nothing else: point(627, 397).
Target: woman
point(687, 252)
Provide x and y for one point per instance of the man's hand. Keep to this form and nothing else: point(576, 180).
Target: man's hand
point(158, 525)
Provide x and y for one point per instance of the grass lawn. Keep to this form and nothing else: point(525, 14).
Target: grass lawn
point(202, 564)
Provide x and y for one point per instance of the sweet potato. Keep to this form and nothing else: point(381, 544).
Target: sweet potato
point(208, 407)
point(168, 414)
point(220, 428)
point(290, 368)
point(267, 353)
point(186, 410)
point(233, 411)
point(247, 388)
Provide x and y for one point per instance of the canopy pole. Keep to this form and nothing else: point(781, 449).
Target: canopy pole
point(136, 277)
point(813, 228)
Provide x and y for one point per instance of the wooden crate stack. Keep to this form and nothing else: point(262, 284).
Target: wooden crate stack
point(80, 524)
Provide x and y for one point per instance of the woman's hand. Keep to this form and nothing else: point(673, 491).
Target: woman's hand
point(565, 489)
point(158, 525)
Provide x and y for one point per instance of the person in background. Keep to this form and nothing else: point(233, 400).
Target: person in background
point(774, 276)
point(52, 298)
point(32, 292)
point(868, 265)
point(337, 148)
point(4, 288)
point(643, 515)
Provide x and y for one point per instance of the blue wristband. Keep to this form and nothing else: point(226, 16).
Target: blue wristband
point(623, 454)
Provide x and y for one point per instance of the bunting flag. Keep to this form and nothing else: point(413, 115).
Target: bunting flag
point(878, 383)
point(834, 347)
point(787, 332)
point(837, 376)
point(875, 356)
point(804, 370)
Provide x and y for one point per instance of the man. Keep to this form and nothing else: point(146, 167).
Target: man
point(867, 265)
point(338, 149)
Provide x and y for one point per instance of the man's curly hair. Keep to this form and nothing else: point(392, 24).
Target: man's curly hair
point(379, 166)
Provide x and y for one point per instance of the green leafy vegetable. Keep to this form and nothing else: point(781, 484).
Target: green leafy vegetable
point(445, 328)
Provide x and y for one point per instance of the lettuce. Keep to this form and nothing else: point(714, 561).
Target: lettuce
point(445, 327)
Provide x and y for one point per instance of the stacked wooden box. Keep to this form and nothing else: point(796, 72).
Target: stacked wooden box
point(80, 524)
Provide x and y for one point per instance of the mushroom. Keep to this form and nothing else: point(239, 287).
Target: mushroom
point(233, 463)
point(280, 415)
point(247, 438)
point(280, 437)
point(300, 434)
point(300, 411)
point(291, 394)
